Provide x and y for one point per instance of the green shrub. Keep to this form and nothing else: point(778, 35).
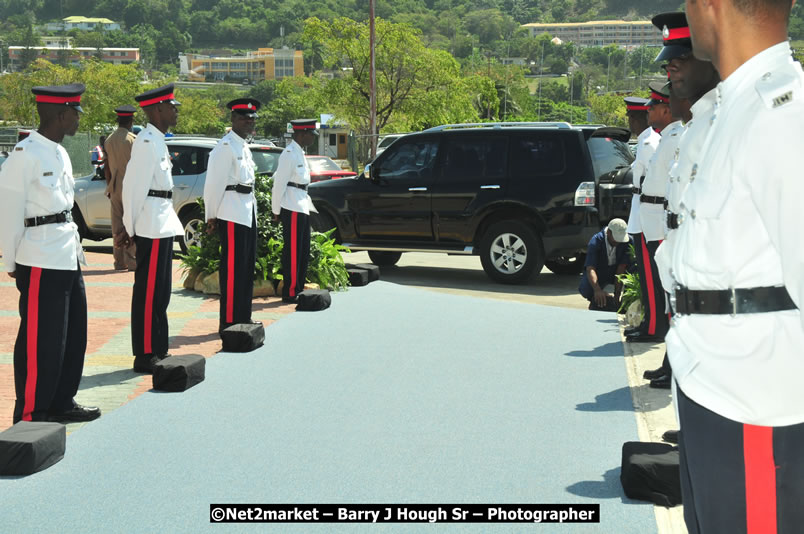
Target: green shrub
point(326, 267)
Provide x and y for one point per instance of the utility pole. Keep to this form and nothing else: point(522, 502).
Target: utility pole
point(608, 70)
point(372, 86)
point(541, 72)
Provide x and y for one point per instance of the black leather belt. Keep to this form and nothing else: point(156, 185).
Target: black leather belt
point(731, 301)
point(61, 217)
point(303, 187)
point(673, 221)
point(160, 194)
point(651, 200)
point(240, 188)
point(636, 190)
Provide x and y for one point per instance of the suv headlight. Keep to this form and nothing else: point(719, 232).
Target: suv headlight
point(585, 194)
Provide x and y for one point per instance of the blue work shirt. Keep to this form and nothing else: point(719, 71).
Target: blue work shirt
point(597, 256)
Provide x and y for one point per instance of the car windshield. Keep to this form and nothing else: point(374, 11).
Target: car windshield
point(322, 164)
point(609, 154)
point(266, 160)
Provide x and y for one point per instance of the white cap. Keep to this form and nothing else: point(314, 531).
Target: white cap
point(619, 230)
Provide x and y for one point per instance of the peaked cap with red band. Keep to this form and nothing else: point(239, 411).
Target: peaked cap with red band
point(635, 103)
point(659, 93)
point(301, 125)
point(125, 111)
point(245, 106)
point(157, 96)
point(676, 35)
point(64, 95)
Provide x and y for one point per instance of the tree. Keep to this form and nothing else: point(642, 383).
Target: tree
point(292, 98)
point(415, 85)
point(199, 114)
point(30, 41)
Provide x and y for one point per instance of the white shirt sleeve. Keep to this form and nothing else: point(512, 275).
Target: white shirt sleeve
point(139, 175)
point(12, 206)
point(284, 170)
point(218, 171)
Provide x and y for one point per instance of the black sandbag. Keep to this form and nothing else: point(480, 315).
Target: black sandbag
point(357, 277)
point(373, 270)
point(179, 373)
point(31, 446)
point(650, 472)
point(313, 300)
point(243, 337)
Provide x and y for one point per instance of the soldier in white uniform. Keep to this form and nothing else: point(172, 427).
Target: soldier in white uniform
point(647, 141)
point(737, 342)
point(150, 220)
point(651, 330)
point(232, 210)
point(694, 80)
point(42, 251)
point(291, 204)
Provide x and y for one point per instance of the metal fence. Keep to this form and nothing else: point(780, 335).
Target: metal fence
point(78, 147)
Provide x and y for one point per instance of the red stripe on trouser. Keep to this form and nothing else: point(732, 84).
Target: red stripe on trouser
point(649, 286)
point(293, 253)
point(31, 334)
point(760, 480)
point(230, 273)
point(149, 296)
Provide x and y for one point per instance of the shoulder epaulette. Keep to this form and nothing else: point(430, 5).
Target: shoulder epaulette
point(779, 88)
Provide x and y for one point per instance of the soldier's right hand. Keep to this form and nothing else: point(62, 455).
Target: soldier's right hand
point(13, 274)
point(212, 225)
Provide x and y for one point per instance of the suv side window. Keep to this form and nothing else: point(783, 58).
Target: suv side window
point(412, 159)
point(188, 159)
point(539, 155)
point(608, 155)
point(475, 159)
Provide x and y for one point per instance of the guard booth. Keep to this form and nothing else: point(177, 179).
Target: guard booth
point(333, 138)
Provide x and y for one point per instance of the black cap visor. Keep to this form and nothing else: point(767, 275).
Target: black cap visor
point(673, 51)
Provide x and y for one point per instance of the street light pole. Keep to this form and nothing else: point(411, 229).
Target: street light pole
point(372, 85)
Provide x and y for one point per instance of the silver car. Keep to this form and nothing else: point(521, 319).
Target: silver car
point(92, 211)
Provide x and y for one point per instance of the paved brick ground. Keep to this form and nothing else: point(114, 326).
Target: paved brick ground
point(108, 379)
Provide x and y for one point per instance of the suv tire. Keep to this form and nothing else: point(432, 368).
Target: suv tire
point(78, 219)
point(384, 258)
point(510, 251)
point(566, 265)
point(322, 222)
point(191, 221)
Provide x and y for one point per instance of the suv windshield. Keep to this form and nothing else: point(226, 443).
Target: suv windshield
point(266, 160)
point(608, 154)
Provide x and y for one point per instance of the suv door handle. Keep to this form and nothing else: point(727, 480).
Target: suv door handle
point(417, 189)
point(489, 187)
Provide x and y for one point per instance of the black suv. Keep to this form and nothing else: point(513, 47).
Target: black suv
point(519, 195)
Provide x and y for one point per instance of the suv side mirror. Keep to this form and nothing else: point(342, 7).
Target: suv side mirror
point(369, 172)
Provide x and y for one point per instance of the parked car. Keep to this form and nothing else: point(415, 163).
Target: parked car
point(324, 168)
point(386, 141)
point(519, 195)
point(189, 157)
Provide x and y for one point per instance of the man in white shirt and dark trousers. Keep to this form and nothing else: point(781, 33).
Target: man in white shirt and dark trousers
point(653, 327)
point(647, 141)
point(291, 204)
point(150, 220)
point(42, 251)
point(231, 209)
point(737, 341)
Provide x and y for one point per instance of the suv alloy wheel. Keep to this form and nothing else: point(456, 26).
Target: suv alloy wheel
point(510, 251)
point(191, 221)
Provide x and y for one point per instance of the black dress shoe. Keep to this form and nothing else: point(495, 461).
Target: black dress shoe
point(631, 331)
point(654, 373)
point(163, 356)
point(78, 414)
point(640, 338)
point(145, 364)
point(671, 436)
point(663, 382)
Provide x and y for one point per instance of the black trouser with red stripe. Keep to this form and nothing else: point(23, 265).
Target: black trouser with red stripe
point(655, 321)
point(738, 478)
point(238, 256)
point(153, 281)
point(51, 342)
point(295, 252)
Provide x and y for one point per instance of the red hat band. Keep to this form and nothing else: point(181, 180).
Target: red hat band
point(658, 97)
point(677, 33)
point(125, 114)
point(634, 107)
point(243, 106)
point(156, 100)
point(305, 127)
point(48, 99)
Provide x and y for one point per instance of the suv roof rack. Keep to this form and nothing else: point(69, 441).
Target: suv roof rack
point(497, 125)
